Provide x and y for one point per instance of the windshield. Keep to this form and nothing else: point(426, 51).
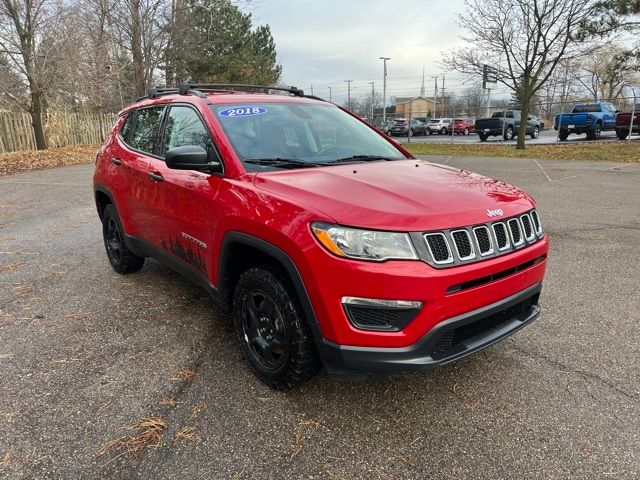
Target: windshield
point(299, 133)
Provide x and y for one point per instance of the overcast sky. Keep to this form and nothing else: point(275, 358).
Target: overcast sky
point(325, 42)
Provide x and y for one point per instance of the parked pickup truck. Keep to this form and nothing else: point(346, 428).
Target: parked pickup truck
point(494, 126)
point(591, 118)
point(623, 122)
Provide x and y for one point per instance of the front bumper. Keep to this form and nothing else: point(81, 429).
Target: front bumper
point(448, 341)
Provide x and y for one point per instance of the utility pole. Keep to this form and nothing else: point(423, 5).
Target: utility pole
point(348, 94)
point(443, 94)
point(384, 89)
point(329, 93)
point(422, 86)
point(373, 93)
point(435, 98)
point(311, 89)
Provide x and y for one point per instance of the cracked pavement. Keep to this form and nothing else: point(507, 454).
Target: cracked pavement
point(86, 351)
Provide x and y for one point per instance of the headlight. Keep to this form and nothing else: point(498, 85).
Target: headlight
point(364, 244)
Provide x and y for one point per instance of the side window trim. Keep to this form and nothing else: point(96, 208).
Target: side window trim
point(163, 132)
point(155, 135)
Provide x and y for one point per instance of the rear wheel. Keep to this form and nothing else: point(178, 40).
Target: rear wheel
point(595, 133)
point(563, 134)
point(483, 137)
point(443, 131)
point(508, 133)
point(411, 132)
point(272, 328)
point(465, 132)
point(622, 134)
point(121, 258)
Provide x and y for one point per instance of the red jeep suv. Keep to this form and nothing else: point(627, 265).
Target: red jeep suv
point(329, 243)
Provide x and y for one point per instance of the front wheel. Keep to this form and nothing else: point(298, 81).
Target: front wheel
point(120, 257)
point(443, 131)
point(536, 133)
point(411, 133)
point(465, 132)
point(272, 328)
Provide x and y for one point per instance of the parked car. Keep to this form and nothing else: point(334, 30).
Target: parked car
point(535, 118)
point(329, 243)
point(404, 127)
point(623, 123)
point(506, 127)
point(386, 127)
point(591, 118)
point(462, 126)
point(439, 125)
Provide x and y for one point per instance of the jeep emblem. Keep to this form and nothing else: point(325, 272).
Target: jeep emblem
point(495, 213)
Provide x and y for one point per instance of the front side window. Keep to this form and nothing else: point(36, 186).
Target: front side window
point(307, 134)
point(144, 129)
point(184, 127)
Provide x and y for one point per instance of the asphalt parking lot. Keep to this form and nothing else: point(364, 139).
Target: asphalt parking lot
point(86, 351)
point(547, 137)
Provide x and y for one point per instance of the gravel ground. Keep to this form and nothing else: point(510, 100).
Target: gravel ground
point(86, 351)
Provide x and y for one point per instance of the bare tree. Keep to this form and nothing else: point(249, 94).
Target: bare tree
point(527, 39)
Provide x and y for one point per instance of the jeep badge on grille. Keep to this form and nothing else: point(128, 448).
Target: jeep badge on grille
point(495, 213)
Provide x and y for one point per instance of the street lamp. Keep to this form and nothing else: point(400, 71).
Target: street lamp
point(384, 89)
point(373, 94)
point(329, 93)
point(348, 94)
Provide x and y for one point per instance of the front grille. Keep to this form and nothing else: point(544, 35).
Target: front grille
point(439, 248)
point(528, 229)
point(516, 234)
point(501, 235)
point(483, 239)
point(536, 222)
point(463, 245)
point(379, 318)
point(468, 244)
point(448, 343)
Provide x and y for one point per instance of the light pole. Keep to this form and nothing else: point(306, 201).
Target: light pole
point(373, 93)
point(329, 93)
point(348, 94)
point(435, 97)
point(384, 89)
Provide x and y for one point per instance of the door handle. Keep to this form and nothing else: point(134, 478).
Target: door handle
point(116, 161)
point(156, 177)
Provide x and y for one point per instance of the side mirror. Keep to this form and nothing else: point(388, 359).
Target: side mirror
point(190, 157)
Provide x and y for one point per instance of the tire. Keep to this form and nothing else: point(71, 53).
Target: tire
point(595, 133)
point(272, 329)
point(428, 132)
point(563, 134)
point(443, 131)
point(483, 137)
point(465, 132)
point(622, 134)
point(411, 132)
point(535, 133)
point(508, 133)
point(120, 257)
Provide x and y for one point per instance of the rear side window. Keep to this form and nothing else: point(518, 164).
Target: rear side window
point(184, 127)
point(142, 133)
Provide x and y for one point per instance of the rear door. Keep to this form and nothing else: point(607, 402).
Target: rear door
point(130, 155)
point(182, 206)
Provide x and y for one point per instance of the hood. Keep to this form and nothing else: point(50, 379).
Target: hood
point(404, 195)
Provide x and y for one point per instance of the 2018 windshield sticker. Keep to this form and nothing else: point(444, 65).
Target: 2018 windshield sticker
point(242, 111)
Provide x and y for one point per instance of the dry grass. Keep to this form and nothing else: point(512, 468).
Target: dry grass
point(11, 266)
point(169, 401)
point(17, 162)
point(188, 374)
point(198, 409)
point(148, 434)
point(188, 434)
point(594, 151)
point(6, 458)
point(304, 427)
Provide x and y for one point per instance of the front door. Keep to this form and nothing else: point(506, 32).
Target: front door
point(182, 203)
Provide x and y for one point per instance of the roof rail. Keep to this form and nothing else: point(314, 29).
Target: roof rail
point(193, 88)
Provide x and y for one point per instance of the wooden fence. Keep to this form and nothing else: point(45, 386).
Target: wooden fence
point(61, 129)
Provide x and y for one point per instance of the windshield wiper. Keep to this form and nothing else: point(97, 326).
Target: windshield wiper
point(281, 162)
point(362, 158)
